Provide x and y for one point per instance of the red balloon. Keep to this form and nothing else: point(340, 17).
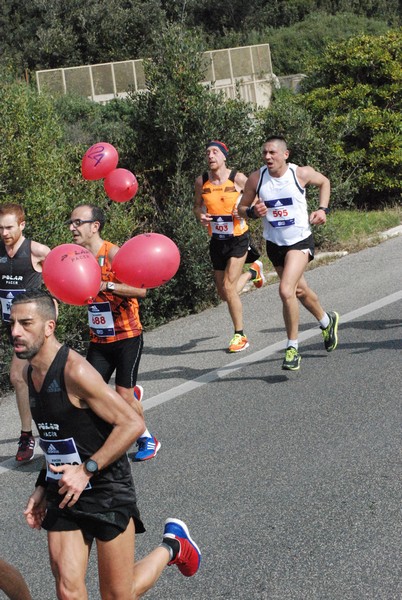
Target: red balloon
point(147, 260)
point(72, 274)
point(99, 160)
point(121, 185)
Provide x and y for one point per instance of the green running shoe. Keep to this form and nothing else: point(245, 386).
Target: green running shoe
point(330, 333)
point(292, 360)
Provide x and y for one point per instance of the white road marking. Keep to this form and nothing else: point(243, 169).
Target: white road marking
point(249, 359)
point(188, 386)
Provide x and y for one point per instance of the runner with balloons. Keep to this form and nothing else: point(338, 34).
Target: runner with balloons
point(110, 281)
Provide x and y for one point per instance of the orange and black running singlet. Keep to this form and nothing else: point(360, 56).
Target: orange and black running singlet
point(220, 201)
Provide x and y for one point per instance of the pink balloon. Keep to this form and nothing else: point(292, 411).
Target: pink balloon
point(72, 274)
point(121, 185)
point(147, 260)
point(99, 160)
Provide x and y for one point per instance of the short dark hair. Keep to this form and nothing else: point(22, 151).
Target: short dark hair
point(97, 214)
point(274, 138)
point(43, 300)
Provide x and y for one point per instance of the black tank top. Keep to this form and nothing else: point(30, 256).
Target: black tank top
point(71, 435)
point(16, 275)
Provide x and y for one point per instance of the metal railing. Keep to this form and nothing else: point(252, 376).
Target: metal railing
point(246, 68)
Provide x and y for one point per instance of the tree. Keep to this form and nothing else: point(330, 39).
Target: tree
point(355, 97)
point(293, 48)
point(170, 126)
point(46, 34)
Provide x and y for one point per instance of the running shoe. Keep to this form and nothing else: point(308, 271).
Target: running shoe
point(292, 359)
point(138, 392)
point(330, 333)
point(147, 448)
point(260, 279)
point(189, 556)
point(238, 343)
point(26, 448)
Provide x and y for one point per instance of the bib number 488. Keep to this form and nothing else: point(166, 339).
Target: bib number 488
point(98, 320)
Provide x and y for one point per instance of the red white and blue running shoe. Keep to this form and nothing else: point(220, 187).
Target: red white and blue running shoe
point(147, 448)
point(188, 558)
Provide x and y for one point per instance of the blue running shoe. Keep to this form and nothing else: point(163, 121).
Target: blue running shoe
point(147, 448)
point(188, 558)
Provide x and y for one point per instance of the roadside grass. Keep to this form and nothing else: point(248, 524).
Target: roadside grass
point(353, 230)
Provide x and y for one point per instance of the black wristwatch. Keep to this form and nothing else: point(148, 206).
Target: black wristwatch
point(91, 466)
point(324, 208)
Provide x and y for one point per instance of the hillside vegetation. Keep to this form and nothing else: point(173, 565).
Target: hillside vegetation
point(346, 122)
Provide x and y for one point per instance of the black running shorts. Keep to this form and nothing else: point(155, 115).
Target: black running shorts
point(91, 525)
point(123, 356)
point(221, 250)
point(276, 254)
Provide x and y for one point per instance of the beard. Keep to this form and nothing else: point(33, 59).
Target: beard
point(32, 351)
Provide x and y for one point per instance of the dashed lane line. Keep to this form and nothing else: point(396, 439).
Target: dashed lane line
point(263, 354)
point(189, 386)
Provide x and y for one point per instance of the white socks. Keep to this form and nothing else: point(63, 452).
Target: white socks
point(324, 321)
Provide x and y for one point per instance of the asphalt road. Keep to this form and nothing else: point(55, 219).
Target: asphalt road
point(290, 482)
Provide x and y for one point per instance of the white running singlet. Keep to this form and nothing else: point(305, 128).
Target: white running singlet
point(286, 221)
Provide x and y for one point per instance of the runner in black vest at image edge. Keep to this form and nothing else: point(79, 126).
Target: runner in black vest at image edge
point(20, 269)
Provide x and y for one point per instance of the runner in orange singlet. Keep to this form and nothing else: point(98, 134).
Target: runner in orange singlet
point(217, 193)
point(116, 339)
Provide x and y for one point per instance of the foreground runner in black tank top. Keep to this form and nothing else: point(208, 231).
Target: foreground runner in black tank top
point(85, 490)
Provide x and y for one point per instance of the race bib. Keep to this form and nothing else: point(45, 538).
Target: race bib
point(6, 297)
point(222, 226)
point(59, 453)
point(280, 212)
point(100, 319)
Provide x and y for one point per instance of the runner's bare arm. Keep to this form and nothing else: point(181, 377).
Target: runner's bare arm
point(199, 208)
point(309, 176)
point(86, 388)
point(39, 253)
point(122, 289)
point(249, 198)
point(240, 181)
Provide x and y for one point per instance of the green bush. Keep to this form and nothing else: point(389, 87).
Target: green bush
point(355, 99)
point(294, 47)
point(287, 116)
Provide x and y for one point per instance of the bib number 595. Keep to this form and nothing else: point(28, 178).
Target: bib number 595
point(280, 212)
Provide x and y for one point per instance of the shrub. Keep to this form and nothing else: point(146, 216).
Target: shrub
point(354, 97)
